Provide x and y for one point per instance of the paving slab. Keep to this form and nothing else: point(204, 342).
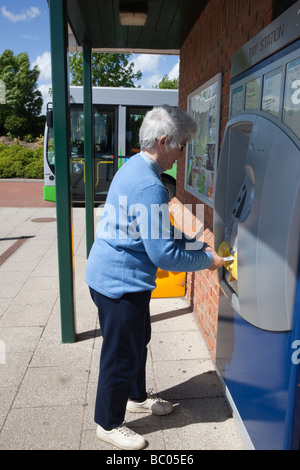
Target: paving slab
point(48, 389)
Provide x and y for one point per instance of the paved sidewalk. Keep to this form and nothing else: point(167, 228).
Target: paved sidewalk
point(47, 389)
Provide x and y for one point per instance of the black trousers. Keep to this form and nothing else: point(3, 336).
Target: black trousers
point(126, 331)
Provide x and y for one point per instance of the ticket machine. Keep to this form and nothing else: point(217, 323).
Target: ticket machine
point(257, 224)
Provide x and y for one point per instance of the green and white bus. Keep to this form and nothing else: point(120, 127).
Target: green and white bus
point(117, 117)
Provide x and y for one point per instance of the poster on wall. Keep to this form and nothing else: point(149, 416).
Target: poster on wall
point(252, 94)
point(291, 109)
point(271, 92)
point(201, 155)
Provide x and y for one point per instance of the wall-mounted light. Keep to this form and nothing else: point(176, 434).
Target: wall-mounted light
point(133, 13)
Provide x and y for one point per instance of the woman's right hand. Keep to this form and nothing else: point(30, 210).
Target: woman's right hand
point(217, 261)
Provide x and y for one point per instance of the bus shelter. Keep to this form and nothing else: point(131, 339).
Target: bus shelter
point(127, 26)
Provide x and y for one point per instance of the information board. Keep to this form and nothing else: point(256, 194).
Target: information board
point(291, 107)
point(271, 92)
point(201, 158)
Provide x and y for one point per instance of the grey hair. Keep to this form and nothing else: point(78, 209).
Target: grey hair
point(166, 120)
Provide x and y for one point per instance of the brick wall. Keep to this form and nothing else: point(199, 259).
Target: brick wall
point(223, 27)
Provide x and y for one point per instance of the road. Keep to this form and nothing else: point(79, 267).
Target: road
point(22, 193)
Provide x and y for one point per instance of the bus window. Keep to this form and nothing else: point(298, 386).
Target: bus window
point(77, 151)
point(50, 150)
point(134, 119)
point(77, 132)
point(104, 141)
point(104, 132)
point(104, 138)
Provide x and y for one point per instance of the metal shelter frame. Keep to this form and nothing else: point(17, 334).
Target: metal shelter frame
point(168, 24)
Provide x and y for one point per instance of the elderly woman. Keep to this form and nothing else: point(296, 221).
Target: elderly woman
point(130, 245)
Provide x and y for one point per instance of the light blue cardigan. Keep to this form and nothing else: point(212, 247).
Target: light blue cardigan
point(134, 235)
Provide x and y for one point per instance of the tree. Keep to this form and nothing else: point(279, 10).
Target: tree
point(167, 83)
point(21, 113)
point(107, 70)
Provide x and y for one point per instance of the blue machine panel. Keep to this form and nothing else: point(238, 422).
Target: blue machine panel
point(257, 216)
point(257, 366)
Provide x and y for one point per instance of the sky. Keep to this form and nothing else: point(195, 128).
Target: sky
point(24, 27)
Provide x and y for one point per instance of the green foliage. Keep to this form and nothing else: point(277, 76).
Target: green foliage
point(168, 84)
point(17, 161)
point(35, 169)
point(20, 114)
point(107, 70)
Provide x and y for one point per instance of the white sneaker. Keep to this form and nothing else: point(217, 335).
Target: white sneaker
point(122, 437)
point(152, 404)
